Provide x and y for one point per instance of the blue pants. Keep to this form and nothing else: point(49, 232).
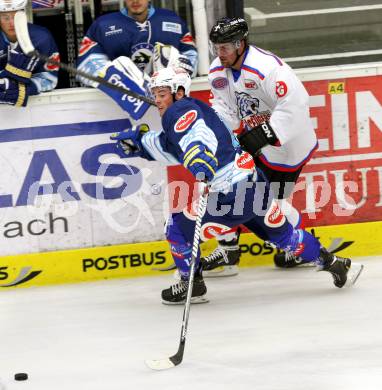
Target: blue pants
point(249, 203)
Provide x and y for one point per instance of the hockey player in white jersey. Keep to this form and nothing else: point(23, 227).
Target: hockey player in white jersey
point(259, 97)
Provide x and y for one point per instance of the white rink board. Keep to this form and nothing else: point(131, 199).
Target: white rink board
point(63, 125)
point(62, 141)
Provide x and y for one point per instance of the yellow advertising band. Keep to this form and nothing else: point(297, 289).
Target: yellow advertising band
point(135, 260)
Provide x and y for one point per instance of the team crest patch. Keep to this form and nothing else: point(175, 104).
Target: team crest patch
point(185, 121)
point(274, 217)
point(211, 230)
point(250, 84)
point(219, 82)
point(141, 55)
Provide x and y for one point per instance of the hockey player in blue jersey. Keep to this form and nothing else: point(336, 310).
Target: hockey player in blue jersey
point(133, 32)
point(20, 75)
point(193, 135)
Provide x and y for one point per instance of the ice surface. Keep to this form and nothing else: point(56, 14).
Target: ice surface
point(264, 329)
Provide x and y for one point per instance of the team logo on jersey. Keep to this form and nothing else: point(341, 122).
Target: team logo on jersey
point(274, 217)
point(172, 27)
point(113, 31)
point(51, 67)
point(244, 162)
point(250, 84)
point(184, 122)
point(219, 82)
point(247, 104)
point(281, 88)
point(86, 45)
point(141, 54)
point(212, 229)
point(249, 109)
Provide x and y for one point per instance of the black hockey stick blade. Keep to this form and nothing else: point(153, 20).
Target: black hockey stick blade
point(21, 27)
point(166, 363)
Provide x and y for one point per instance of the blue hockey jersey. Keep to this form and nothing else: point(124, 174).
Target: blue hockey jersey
point(188, 121)
point(117, 34)
point(44, 77)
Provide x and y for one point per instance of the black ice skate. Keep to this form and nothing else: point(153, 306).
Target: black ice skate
point(226, 256)
point(177, 293)
point(342, 269)
point(286, 260)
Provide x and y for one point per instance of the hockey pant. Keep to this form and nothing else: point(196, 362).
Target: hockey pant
point(282, 184)
point(249, 203)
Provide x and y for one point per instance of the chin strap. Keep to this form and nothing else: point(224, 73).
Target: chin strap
point(239, 55)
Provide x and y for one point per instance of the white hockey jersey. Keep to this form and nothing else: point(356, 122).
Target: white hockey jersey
point(266, 88)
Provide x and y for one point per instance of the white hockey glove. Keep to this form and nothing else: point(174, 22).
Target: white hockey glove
point(123, 72)
point(165, 56)
point(185, 63)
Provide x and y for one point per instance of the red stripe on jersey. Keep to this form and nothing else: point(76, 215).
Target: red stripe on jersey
point(86, 45)
point(216, 69)
point(188, 39)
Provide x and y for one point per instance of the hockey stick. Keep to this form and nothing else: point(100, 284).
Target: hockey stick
point(27, 47)
point(70, 45)
point(172, 361)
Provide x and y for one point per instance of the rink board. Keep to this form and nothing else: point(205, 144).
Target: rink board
point(134, 260)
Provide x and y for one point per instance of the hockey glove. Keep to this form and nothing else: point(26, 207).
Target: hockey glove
point(123, 72)
point(19, 66)
point(12, 92)
point(185, 63)
point(129, 140)
point(200, 161)
point(255, 139)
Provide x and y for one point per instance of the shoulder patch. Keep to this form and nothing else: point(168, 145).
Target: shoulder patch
point(184, 122)
point(219, 82)
point(281, 88)
point(172, 27)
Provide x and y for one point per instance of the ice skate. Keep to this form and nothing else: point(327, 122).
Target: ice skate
point(344, 272)
point(177, 293)
point(286, 260)
point(223, 261)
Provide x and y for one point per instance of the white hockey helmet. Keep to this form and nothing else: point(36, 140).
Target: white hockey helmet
point(172, 78)
point(12, 5)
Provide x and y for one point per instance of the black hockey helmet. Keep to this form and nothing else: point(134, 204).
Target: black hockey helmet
point(229, 30)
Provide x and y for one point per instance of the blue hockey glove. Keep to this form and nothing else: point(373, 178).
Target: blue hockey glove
point(200, 161)
point(19, 66)
point(185, 63)
point(129, 140)
point(12, 92)
point(123, 72)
